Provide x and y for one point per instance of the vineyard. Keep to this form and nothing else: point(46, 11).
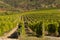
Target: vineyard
point(38, 24)
point(7, 23)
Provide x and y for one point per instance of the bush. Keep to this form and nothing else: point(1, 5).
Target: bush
point(59, 29)
point(32, 26)
point(51, 28)
point(19, 28)
point(39, 29)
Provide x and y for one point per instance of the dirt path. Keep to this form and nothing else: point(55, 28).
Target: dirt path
point(52, 38)
point(7, 39)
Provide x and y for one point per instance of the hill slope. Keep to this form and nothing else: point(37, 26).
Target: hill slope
point(31, 4)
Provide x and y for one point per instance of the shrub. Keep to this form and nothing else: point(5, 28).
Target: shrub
point(39, 29)
point(51, 28)
point(19, 28)
point(32, 26)
point(59, 29)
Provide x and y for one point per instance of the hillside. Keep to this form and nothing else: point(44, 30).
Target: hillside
point(30, 4)
point(4, 6)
